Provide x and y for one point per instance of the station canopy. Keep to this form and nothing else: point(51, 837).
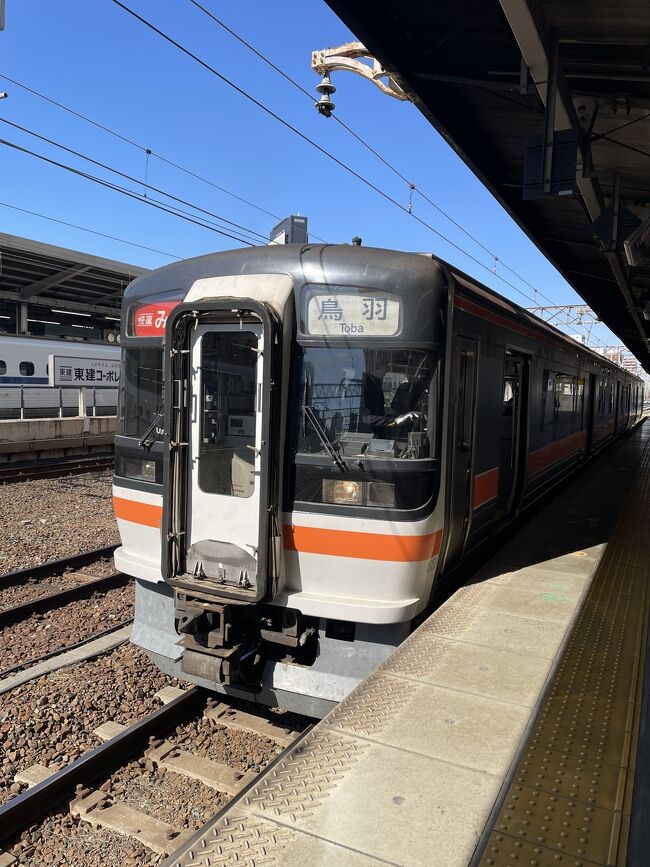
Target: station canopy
point(548, 102)
point(56, 292)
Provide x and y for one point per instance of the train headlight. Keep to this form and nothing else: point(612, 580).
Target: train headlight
point(344, 492)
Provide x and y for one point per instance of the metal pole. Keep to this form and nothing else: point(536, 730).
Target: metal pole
point(22, 403)
point(549, 119)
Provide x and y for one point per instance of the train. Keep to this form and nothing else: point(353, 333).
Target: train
point(312, 438)
point(24, 365)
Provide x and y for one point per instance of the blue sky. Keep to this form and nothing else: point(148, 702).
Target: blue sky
point(99, 61)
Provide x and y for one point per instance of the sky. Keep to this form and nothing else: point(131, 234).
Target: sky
point(96, 59)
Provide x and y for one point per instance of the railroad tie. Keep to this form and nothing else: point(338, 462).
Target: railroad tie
point(223, 714)
point(100, 811)
point(168, 693)
point(33, 775)
point(109, 730)
point(213, 774)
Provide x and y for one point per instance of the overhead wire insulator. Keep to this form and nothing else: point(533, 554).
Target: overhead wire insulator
point(325, 106)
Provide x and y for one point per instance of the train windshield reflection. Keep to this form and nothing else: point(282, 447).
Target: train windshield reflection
point(368, 402)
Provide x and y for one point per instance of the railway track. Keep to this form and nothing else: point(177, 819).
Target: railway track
point(103, 809)
point(55, 469)
point(76, 586)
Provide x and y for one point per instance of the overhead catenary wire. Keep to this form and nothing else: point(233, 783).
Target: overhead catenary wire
point(411, 186)
point(257, 237)
point(89, 230)
point(161, 206)
point(137, 145)
point(208, 67)
point(133, 143)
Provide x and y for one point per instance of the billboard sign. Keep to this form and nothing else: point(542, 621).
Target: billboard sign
point(87, 372)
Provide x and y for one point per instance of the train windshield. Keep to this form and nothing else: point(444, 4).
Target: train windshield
point(141, 393)
point(366, 403)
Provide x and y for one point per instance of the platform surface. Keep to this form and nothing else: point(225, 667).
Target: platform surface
point(415, 765)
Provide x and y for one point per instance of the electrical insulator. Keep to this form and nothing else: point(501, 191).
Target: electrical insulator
point(325, 106)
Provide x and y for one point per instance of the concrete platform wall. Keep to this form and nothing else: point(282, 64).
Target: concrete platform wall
point(33, 439)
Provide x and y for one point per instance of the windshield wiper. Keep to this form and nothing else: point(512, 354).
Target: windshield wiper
point(145, 442)
point(328, 445)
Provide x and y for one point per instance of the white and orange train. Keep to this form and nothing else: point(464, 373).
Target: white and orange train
point(311, 436)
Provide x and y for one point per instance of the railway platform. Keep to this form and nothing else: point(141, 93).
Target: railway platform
point(504, 730)
point(49, 438)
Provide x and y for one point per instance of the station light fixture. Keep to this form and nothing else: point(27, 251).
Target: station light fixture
point(72, 313)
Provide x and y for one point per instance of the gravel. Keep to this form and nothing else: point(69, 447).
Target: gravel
point(63, 627)
point(46, 519)
point(34, 588)
point(50, 721)
point(64, 841)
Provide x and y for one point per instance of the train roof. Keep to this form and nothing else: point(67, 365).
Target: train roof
point(338, 265)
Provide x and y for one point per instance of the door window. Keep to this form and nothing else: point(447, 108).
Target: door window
point(227, 413)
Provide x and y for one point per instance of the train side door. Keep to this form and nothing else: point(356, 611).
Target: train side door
point(465, 370)
point(513, 433)
point(591, 414)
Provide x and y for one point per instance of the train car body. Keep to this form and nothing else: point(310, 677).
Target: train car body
point(24, 360)
point(25, 391)
point(311, 437)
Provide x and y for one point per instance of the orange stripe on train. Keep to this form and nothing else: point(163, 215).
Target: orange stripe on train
point(138, 513)
point(555, 452)
point(364, 546)
point(486, 487)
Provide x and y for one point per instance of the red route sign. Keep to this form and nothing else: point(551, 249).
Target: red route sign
point(149, 319)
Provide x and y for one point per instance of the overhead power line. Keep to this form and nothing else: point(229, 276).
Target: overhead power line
point(90, 231)
point(145, 200)
point(139, 146)
point(255, 235)
point(412, 186)
point(249, 97)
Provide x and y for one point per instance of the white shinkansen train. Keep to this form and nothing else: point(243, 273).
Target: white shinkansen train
point(24, 363)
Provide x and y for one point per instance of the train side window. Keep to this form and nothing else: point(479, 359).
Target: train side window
point(464, 410)
point(548, 399)
point(26, 368)
point(580, 401)
point(3, 368)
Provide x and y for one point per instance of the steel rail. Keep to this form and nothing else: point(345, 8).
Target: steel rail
point(55, 567)
point(58, 598)
point(67, 467)
point(30, 663)
point(36, 802)
point(172, 860)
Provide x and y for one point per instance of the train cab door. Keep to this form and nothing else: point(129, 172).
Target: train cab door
point(512, 451)
point(223, 387)
point(225, 454)
point(464, 384)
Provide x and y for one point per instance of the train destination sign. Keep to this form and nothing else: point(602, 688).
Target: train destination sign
point(375, 314)
point(91, 372)
point(149, 320)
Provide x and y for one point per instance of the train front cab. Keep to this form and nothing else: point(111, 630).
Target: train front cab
point(300, 475)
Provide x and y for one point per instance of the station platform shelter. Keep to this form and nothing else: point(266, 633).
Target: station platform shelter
point(53, 292)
